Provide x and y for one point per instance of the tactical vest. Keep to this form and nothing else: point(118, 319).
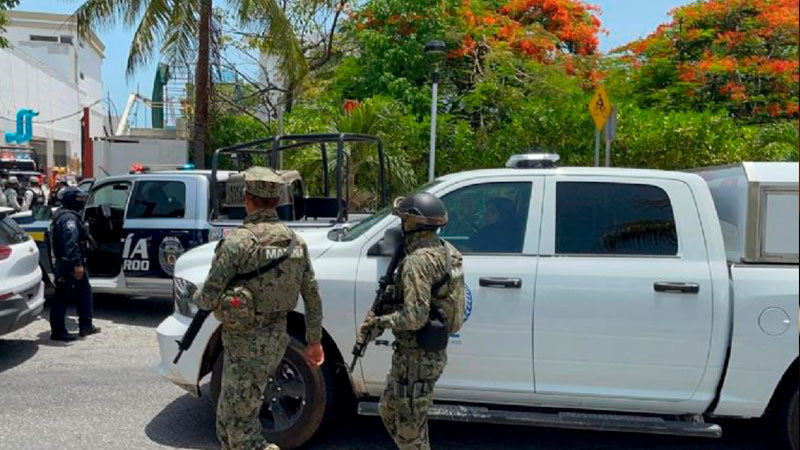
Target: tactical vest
point(268, 288)
point(38, 197)
point(448, 304)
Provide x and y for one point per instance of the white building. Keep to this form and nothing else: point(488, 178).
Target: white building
point(50, 70)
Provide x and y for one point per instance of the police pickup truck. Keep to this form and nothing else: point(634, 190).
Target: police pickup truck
point(600, 298)
point(141, 222)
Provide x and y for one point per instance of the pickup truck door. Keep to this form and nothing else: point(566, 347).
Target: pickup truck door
point(494, 222)
point(104, 215)
point(161, 222)
point(623, 291)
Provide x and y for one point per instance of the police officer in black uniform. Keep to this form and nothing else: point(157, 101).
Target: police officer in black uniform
point(70, 242)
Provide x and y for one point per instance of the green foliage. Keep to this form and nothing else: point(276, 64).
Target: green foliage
point(230, 129)
point(781, 140)
point(494, 102)
point(5, 5)
point(682, 139)
point(172, 27)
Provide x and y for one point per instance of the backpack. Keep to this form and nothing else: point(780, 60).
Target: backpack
point(446, 312)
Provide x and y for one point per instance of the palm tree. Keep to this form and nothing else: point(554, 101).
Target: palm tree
point(178, 28)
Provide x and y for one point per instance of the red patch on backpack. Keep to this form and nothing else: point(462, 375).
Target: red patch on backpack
point(236, 302)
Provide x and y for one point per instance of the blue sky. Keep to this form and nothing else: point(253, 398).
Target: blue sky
point(625, 20)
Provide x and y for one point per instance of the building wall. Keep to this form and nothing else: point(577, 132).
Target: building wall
point(56, 79)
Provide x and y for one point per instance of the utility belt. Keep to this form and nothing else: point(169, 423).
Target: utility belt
point(412, 390)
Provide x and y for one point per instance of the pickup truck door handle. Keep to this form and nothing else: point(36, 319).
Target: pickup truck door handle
point(510, 283)
point(676, 288)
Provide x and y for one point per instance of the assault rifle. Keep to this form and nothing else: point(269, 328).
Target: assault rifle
point(391, 238)
point(191, 333)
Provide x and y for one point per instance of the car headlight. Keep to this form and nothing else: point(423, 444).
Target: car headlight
point(183, 296)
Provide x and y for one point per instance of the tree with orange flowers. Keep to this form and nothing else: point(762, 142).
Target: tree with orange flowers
point(739, 54)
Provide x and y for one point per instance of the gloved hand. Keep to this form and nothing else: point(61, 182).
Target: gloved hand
point(370, 329)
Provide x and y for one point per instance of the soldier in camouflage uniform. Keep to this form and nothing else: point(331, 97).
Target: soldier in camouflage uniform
point(425, 279)
point(253, 311)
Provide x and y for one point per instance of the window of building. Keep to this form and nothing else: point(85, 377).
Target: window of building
point(158, 200)
point(40, 38)
point(488, 218)
point(66, 40)
point(614, 219)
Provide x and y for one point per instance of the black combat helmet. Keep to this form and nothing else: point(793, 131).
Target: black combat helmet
point(421, 211)
point(74, 198)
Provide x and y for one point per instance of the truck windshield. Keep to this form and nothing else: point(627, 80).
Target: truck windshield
point(349, 234)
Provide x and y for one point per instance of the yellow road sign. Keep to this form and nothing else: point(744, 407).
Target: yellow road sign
point(600, 107)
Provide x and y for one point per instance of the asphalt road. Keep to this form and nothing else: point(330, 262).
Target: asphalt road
point(102, 393)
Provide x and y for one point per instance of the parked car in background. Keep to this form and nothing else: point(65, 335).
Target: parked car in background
point(21, 286)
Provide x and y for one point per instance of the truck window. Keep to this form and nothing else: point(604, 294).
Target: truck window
point(488, 218)
point(114, 195)
point(614, 219)
point(158, 199)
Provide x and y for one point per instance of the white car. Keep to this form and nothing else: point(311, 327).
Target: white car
point(21, 287)
point(597, 298)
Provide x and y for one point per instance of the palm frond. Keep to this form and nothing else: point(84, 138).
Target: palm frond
point(149, 33)
point(181, 34)
point(94, 14)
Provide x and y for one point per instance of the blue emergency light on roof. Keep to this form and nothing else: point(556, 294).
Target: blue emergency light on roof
point(188, 166)
point(533, 161)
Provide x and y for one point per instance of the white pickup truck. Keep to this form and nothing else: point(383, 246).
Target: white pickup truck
point(598, 298)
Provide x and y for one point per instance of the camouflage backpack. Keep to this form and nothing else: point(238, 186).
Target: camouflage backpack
point(239, 309)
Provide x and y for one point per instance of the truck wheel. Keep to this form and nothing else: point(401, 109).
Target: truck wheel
point(788, 422)
point(298, 399)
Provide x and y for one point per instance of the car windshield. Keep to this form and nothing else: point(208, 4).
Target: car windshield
point(349, 234)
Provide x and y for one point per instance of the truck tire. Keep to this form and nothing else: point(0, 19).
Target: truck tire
point(303, 415)
point(788, 422)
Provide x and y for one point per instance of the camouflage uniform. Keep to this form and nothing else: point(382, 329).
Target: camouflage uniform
point(253, 312)
point(409, 391)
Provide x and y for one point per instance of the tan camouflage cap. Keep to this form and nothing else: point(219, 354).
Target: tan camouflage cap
point(263, 182)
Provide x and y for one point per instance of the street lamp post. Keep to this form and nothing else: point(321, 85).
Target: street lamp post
point(434, 48)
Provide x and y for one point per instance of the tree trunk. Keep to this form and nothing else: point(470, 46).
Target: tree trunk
point(202, 89)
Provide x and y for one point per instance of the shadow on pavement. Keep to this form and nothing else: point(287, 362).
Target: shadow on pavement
point(14, 352)
point(134, 311)
point(368, 433)
point(187, 422)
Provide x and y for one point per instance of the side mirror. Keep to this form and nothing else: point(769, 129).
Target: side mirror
point(392, 239)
